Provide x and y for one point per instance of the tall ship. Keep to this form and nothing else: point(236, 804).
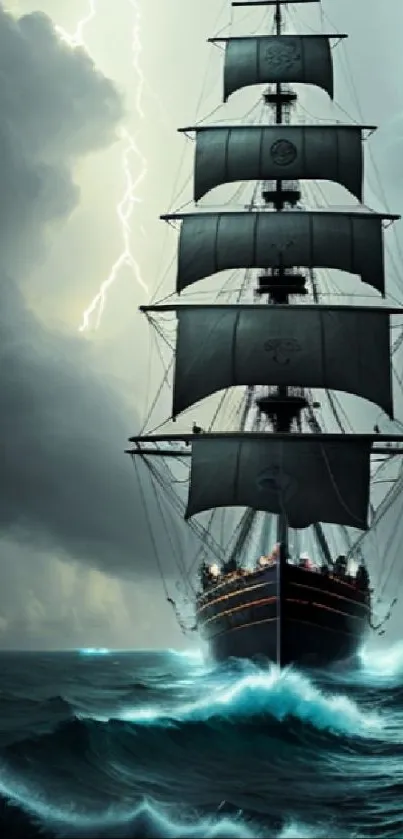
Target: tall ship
point(275, 465)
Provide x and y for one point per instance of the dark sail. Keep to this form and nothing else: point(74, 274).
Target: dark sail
point(341, 348)
point(213, 242)
point(245, 153)
point(308, 481)
point(267, 59)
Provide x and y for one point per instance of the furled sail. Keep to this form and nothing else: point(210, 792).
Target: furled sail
point(266, 59)
point(307, 480)
point(213, 242)
point(293, 152)
point(341, 348)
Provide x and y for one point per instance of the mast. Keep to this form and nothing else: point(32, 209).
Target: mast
point(276, 409)
point(279, 407)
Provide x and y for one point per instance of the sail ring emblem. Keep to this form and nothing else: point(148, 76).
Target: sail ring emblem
point(282, 349)
point(275, 481)
point(282, 56)
point(283, 153)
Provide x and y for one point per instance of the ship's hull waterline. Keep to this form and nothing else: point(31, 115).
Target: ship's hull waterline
point(288, 615)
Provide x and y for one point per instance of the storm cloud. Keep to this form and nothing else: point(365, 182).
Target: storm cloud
point(56, 107)
point(65, 482)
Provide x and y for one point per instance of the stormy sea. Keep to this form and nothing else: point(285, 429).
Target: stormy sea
point(96, 743)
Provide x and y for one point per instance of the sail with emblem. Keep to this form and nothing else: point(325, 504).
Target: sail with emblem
point(260, 153)
point(340, 348)
point(277, 58)
point(213, 242)
point(275, 337)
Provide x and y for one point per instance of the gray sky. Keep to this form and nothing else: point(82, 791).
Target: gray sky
point(76, 561)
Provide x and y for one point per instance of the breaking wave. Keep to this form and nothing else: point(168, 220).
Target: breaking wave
point(275, 694)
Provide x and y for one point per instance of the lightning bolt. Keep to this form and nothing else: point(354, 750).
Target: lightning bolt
point(125, 210)
point(77, 39)
point(130, 199)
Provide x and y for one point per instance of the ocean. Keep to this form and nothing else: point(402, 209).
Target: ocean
point(97, 743)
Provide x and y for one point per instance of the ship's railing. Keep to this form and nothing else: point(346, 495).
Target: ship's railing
point(245, 575)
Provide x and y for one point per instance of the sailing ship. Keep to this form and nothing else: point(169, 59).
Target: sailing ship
point(282, 346)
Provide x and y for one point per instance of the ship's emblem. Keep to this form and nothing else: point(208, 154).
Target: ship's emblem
point(274, 481)
point(282, 55)
point(283, 153)
point(282, 350)
point(280, 246)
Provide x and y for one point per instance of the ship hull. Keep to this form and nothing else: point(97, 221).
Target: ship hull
point(288, 615)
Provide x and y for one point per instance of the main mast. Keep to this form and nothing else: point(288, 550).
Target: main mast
point(279, 406)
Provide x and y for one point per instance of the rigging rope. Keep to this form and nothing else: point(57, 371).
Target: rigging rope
point(151, 531)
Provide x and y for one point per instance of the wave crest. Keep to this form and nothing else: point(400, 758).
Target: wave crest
point(281, 694)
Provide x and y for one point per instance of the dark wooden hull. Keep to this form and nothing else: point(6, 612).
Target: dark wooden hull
point(288, 615)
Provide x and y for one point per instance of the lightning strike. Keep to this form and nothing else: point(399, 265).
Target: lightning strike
point(125, 211)
point(77, 39)
point(126, 206)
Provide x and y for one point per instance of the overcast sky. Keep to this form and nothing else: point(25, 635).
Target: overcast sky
point(76, 562)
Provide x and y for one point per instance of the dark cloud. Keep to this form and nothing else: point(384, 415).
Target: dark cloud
point(64, 481)
point(55, 107)
point(64, 476)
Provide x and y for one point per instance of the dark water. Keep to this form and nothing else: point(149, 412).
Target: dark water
point(161, 745)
